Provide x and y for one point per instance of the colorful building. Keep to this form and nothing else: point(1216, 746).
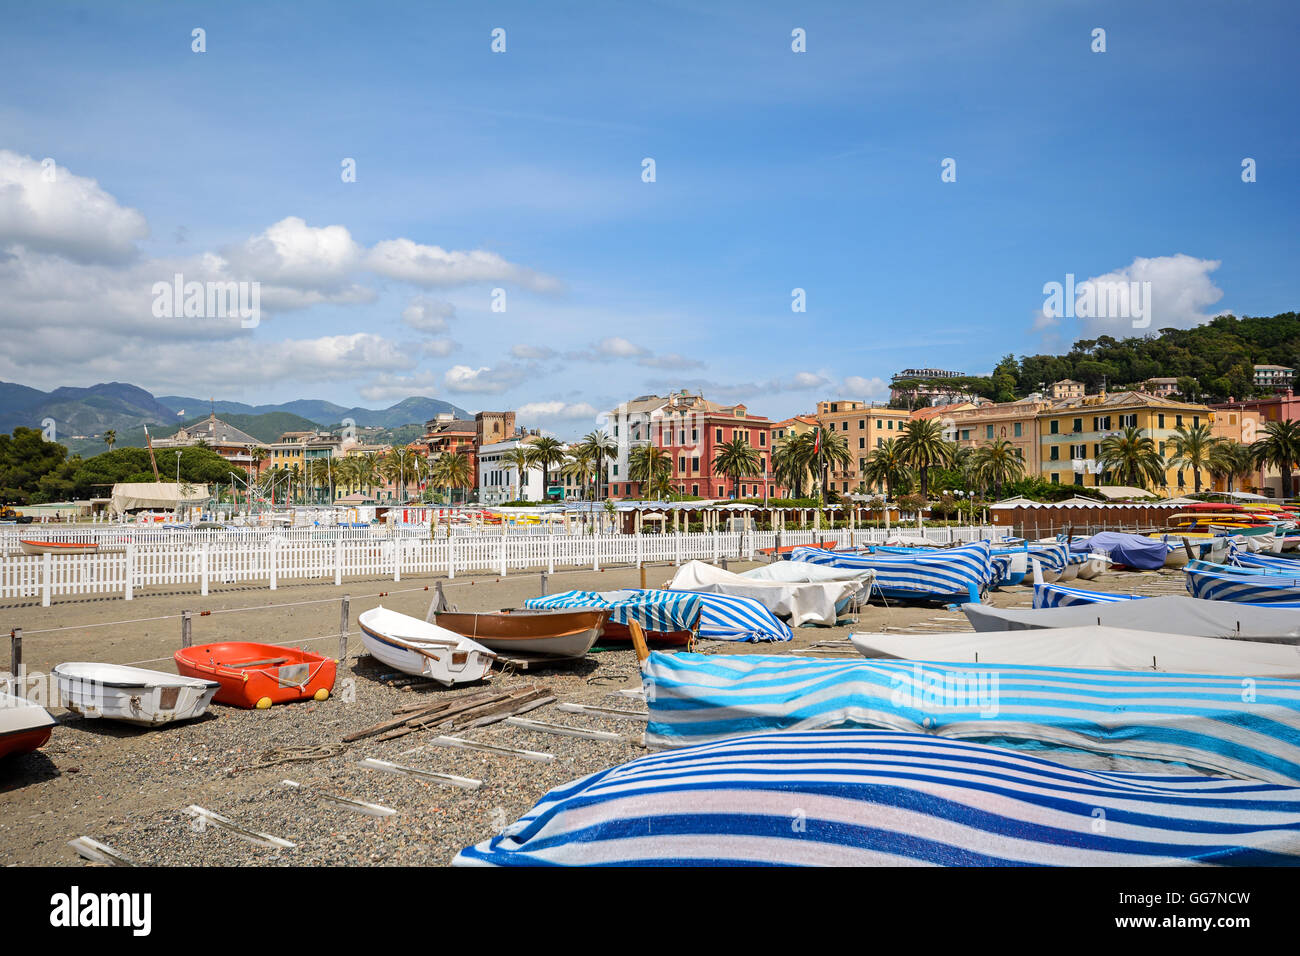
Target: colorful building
point(864, 427)
point(1016, 422)
point(689, 429)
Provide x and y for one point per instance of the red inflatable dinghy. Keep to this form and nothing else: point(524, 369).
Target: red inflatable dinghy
point(259, 675)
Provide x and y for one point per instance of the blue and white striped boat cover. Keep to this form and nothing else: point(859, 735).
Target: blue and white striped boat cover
point(1058, 595)
point(715, 617)
point(1269, 590)
point(654, 610)
point(872, 797)
point(1052, 557)
point(1243, 727)
point(729, 617)
point(921, 575)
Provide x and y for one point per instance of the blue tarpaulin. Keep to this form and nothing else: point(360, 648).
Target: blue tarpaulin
point(1133, 550)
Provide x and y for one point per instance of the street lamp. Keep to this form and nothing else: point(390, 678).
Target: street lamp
point(178, 467)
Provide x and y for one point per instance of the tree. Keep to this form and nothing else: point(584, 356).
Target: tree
point(1131, 458)
point(922, 447)
point(545, 453)
point(1231, 460)
point(833, 453)
point(790, 461)
point(1280, 449)
point(997, 463)
point(110, 438)
point(736, 459)
point(1193, 447)
point(401, 466)
point(886, 468)
point(518, 461)
point(26, 457)
point(601, 449)
point(647, 464)
point(451, 470)
point(581, 466)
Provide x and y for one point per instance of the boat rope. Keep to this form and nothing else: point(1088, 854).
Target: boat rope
point(281, 755)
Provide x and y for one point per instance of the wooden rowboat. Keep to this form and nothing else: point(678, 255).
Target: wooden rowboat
point(57, 547)
point(418, 647)
point(259, 675)
point(560, 633)
point(24, 726)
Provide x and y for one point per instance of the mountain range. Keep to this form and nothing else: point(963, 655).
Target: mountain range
point(80, 416)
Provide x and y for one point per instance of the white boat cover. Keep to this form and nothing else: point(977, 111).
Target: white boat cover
point(799, 603)
point(1113, 648)
point(162, 495)
point(18, 714)
point(1170, 614)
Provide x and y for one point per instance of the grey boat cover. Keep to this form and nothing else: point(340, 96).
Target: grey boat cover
point(1173, 614)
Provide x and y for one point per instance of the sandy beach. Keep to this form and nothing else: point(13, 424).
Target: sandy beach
point(129, 787)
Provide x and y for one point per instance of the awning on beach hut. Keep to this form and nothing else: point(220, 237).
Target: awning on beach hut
point(879, 797)
point(159, 495)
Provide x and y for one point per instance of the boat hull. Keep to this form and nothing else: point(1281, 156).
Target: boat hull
point(259, 675)
point(24, 726)
point(397, 640)
point(558, 634)
point(57, 547)
point(141, 697)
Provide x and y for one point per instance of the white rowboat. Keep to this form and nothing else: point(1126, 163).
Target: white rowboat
point(132, 694)
point(417, 647)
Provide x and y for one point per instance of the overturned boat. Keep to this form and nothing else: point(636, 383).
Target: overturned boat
point(132, 694)
point(559, 633)
point(24, 726)
point(417, 647)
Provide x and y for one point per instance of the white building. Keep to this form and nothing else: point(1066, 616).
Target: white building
point(498, 480)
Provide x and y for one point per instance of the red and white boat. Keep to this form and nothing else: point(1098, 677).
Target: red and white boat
point(57, 547)
point(24, 726)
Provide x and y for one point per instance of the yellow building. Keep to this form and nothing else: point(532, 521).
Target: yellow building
point(1071, 432)
point(1016, 422)
point(864, 428)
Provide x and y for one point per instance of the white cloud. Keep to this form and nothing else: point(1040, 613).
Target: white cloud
point(434, 266)
point(860, 387)
point(389, 387)
point(670, 360)
point(439, 348)
point(463, 378)
point(1181, 292)
point(71, 216)
point(618, 347)
point(428, 315)
point(294, 254)
point(532, 352)
point(555, 412)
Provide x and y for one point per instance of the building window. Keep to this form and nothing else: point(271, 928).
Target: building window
point(880, 423)
point(1056, 478)
point(1178, 421)
point(717, 434)
point(862, 443)
point(879, 441)
point(862, 423)
point(1055, 454)
point(1160, 421)
point(1054, 427)
point(695, 465)
point(1078, 479)
point(988, 431)
point(695, 490)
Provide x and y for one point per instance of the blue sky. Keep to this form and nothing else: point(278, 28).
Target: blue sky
point(775, 170)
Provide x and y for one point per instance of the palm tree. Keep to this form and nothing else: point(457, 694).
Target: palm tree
point(1231, 460)
point(997, 463)
point(1280, 448)
point(580, 466)
point(646, 464)
point(736, 459)
point(601, 449)
point(451, 470)
point(1131, 458)
point(545, 453)
point(790, 460)
point(110, 438)
point(922, 447)
point(401, 466)
point(320, 474)
point(519, 461)
point(258, 455)
point(834, 453)
point(295, 481)
point(1193, 448)
point(886, 468)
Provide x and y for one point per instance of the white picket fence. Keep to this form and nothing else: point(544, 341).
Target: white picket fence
point(201, 562)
